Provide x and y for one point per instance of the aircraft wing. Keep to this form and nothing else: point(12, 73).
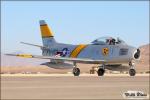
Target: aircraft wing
point(76, 60)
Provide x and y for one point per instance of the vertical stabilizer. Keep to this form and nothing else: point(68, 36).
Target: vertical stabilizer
point(46, 33)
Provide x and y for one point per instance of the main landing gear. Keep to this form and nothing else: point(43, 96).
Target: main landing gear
point(101, 70)
point(76, 71)
point(132, 71)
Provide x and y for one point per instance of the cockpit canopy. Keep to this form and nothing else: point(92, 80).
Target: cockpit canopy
point(107, 40)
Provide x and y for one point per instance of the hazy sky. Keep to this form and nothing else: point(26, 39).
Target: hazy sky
point(72, 22)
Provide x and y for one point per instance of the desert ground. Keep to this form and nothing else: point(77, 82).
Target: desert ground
point(70, 87)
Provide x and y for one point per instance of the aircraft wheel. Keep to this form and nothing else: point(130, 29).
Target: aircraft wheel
point(132, 72)
point(76, 71)
point(100, 72)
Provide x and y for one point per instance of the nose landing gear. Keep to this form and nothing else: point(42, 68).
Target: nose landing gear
point(132, 71)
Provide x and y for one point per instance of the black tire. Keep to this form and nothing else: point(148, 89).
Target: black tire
point(76, 71)
point(132, 72)
point(100, 72)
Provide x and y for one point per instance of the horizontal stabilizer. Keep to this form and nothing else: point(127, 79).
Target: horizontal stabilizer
point(42, 47)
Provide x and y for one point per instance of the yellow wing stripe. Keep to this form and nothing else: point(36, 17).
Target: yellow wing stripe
point(45, 31)
point(24, 55)
point(77, 50)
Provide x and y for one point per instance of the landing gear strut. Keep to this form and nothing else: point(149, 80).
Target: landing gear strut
point(101, 70)
point(132, 71)
point(76, 71)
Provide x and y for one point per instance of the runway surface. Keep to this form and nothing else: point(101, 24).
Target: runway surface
point(70, 87)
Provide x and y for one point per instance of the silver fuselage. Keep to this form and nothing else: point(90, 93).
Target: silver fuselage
point(92, 51)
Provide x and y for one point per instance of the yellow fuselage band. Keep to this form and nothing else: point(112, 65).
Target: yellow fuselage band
point(77, 50)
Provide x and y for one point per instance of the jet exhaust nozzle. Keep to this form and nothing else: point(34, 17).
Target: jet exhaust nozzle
point(137, 54)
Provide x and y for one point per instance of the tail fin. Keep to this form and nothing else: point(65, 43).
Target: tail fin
point(46, 33)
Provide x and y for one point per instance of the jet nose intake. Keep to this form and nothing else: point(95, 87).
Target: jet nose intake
point(137, 54)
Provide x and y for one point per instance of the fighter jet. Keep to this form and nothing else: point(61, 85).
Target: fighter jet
point(104, 51)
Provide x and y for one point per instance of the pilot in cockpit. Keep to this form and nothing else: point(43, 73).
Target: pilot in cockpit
point(111, 41)
point(108, 41)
